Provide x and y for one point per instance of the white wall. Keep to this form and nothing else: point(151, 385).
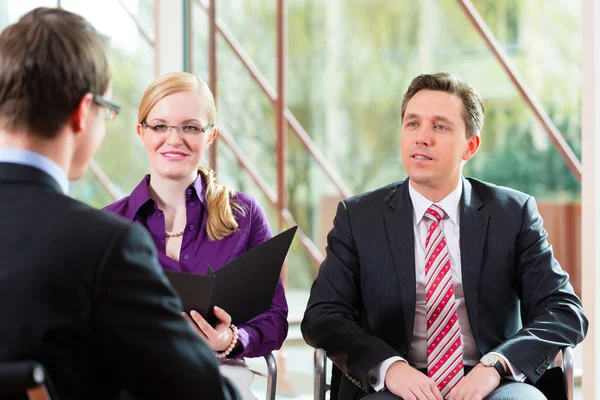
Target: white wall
point(591, 195)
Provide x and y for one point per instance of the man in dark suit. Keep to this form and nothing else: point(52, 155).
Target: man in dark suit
point(81, 291)
point(441, 286)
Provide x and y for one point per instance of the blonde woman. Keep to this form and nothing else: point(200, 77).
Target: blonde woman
point(194, 221)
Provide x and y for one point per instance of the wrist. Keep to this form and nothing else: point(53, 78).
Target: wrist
point(232, 344)
point(395, 365)
point(491, 360)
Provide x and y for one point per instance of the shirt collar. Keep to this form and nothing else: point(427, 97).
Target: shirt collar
point(449, 204)
point(141, 194)
point(36, 160)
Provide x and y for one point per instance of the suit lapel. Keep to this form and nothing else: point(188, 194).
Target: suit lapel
point(473, 231)
point(400, 234)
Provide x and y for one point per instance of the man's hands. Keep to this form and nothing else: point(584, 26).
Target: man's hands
point(480, 382)
point(410, 384)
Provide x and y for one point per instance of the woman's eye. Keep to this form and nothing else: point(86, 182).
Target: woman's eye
point(190, 128)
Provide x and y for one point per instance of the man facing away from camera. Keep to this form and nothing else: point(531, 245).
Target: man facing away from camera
point(81, 290)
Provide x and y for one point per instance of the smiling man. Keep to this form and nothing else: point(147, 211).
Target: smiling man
point(440, 286)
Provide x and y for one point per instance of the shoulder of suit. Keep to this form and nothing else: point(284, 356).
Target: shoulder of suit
point(89, 222)
point(375, 197)
point(491, 193)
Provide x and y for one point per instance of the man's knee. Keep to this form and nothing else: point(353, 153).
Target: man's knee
point(516, 391)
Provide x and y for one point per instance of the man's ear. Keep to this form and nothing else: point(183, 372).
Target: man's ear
point(472, 147)
point(81, 114)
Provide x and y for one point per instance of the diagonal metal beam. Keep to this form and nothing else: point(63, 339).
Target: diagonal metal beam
point(255, 175)
point(538, 110)
point(145, 34)
point(105, 181)
point(266, 87)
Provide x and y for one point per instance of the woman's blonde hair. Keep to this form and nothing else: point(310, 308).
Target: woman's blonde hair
point(220, 200)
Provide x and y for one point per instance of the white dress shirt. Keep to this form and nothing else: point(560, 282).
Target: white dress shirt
point(36, 160)
point(450, 224)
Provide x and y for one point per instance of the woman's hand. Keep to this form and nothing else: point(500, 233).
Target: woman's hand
point(219, 338)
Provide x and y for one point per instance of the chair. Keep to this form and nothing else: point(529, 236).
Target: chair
point(564, 360)
point(30, 377)
point(271, 376)
point(26, 377)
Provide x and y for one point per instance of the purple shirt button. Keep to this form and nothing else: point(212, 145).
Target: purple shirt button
point(192, 227)
point(192, 204)
point(189, 191)
point(186, 257)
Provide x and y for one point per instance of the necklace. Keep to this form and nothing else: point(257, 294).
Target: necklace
point(174, 234)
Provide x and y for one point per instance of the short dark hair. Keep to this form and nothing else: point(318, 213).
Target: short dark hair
point(442, 81)
point(49, 60)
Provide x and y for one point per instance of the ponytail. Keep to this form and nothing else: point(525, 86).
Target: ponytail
point(221, 207)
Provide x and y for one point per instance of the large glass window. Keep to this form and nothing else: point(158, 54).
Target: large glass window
point(349, 63)
point(132, 59)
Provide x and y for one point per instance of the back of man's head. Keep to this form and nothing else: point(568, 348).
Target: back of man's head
point(49, 60)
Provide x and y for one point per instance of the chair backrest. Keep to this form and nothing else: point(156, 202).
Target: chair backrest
point(28, 377)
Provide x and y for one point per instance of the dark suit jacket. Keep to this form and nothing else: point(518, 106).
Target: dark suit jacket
point(362, 305)
point(82, 292)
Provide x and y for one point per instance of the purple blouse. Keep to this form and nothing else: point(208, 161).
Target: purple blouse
point(258, 336)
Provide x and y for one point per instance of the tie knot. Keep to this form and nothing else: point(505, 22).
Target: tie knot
point(435, 213)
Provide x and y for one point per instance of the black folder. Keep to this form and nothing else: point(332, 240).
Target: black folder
point(244, 287)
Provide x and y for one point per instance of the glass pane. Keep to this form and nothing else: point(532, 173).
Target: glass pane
point(349, 64)
point(90, 191)
point(132, 61)
point(11, 11)
point(253, 25)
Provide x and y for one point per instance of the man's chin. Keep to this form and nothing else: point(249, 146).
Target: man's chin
point(421, 179)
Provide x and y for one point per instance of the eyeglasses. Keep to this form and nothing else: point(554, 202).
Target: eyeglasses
point(187, 130)
point(111, 109)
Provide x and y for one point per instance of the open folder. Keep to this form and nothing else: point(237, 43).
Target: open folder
point(244, 287)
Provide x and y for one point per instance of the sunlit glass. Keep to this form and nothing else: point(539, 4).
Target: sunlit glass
point(111, 109)
point(188, 130)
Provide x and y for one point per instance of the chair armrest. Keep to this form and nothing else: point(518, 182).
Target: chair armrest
point(272, 376)
point(26, 377)
point(564, 360)
point(320, 360)
point(568, 374)
point(21, 375)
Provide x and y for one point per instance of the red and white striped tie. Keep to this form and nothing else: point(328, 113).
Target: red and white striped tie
point(444, 345)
